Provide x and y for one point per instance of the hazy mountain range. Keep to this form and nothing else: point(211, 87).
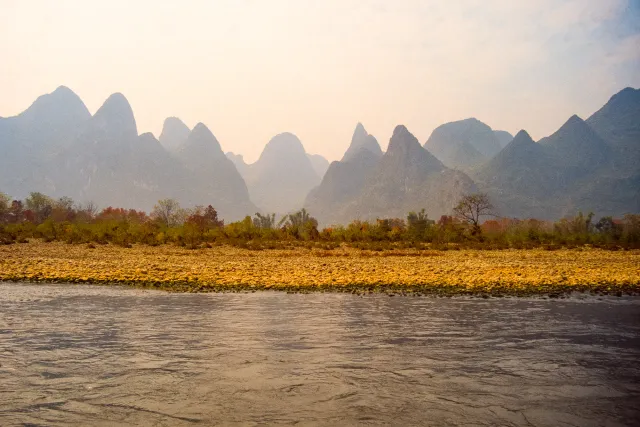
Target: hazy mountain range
point(57, 147)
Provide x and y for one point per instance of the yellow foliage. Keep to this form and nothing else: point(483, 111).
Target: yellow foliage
point(229, 268)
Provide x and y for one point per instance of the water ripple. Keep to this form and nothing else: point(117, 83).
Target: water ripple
point(86, 355)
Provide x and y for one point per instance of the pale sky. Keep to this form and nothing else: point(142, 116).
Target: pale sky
point(252, 69)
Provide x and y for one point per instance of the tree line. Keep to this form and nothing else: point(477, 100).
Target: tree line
point(471, 223)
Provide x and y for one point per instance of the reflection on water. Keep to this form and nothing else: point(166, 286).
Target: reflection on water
point(102, 356)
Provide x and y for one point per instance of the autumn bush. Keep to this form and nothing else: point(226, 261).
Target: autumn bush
point(44, 218)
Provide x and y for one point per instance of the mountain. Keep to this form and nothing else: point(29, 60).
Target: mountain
point(58, 148)
point(55, 146)
point(591, 165)
point(29, 140)
point(518, 176)
point(283, 175)
point(362, 140)
point(568, 171)
point(48, 123)
point(463, 143)
point(503, 136)
point(174, 133)
point(344, 180)
point(407, 177)
point(214, 177)
point(578, 146)
point(98, 163)
point(618, 123)
point(319, 163)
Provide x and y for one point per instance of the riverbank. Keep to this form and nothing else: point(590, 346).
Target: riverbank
point(229, 269)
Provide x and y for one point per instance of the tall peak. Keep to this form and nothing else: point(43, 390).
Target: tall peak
point(573, 125)
point(201, 143)
point(116, 113)
point(404, 144)
point(62, 103)
point(283, 145)
point(574, 119)
point(202, 133)
point(627, 91)
point(64, 91)
point(521, 138)
point(402, 138)
point(359, 130)
point(362, 140)
point(174, 133)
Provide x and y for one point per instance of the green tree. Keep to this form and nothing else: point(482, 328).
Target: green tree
point(300, 224)
point(264, 222)
point(417, 224)
point(4, 206)
point(296, 219)
point(40, 204)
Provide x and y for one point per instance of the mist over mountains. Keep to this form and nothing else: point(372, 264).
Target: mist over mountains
point(57, 147)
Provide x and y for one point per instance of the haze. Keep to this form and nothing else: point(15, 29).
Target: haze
point(250, 70)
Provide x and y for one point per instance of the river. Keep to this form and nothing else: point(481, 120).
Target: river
point(90, 355)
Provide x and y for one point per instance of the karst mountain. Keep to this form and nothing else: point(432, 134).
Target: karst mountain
point(58, 148)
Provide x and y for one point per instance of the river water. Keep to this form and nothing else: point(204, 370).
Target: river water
point(89, 355)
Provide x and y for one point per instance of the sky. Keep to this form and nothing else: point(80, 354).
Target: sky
point(252, 69)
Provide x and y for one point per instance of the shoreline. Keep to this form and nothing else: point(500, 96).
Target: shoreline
point(504, 273)
point(568, 295)
point(408, 290)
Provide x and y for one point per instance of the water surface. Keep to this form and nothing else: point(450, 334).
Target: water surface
point(88, 355)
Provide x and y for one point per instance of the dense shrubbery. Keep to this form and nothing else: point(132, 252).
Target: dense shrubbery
point(61, 220)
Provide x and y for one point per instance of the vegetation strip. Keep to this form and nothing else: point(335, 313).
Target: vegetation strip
point(342, 269)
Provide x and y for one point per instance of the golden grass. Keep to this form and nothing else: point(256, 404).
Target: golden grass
point(515, 272)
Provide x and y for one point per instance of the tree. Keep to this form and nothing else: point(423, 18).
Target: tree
point(4, 206)
point(267, 221)
point(16, 211)
point(608, 227)
point(86, 211)
point(300, 224)
point(211, 216)
point(296, 219)
point(63, 209)
point(168, 212)
point(471, 207)
point(204, 218)
point(417, 224)
point(40, 204)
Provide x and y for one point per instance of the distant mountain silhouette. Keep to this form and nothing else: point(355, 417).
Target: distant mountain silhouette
point(344, 180)
point(463, 143)
point(55, 146)
point(97, 164)
point(319, 163)
point(362, 140)
point(283, 175)
point(573, 169)
point(578, 147)
point(407, 177)
point(213, 174)
point(174, 133)
point(29, 140)
point(518, 176)
point(58, 148)
point(618, 123)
